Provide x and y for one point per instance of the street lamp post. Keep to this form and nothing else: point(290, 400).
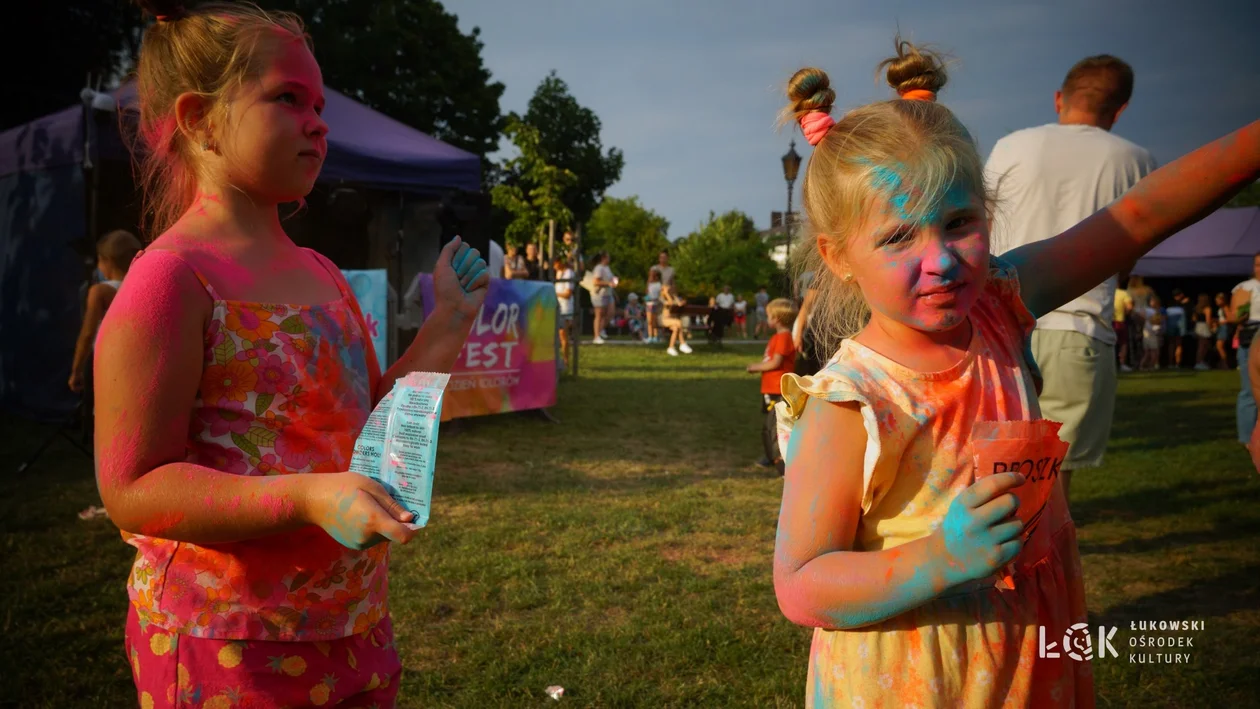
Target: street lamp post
point(791, 165)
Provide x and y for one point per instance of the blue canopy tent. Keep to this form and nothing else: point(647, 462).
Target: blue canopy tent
point(1224, 243)
point(47, 199)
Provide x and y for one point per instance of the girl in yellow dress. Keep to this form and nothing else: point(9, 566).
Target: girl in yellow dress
point(925, 584)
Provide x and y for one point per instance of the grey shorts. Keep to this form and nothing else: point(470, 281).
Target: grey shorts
point(1079, 391)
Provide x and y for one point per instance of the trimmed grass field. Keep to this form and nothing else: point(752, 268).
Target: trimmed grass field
point(625, 553)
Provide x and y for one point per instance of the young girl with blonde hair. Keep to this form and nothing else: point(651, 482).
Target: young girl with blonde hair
point(923, 586)
point(233, 376)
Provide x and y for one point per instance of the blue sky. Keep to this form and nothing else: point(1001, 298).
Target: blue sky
point(690, 90)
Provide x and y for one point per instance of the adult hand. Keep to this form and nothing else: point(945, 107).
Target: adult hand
point(355, 510)
point(460, 279)
point(978, 537)
point(76, 383)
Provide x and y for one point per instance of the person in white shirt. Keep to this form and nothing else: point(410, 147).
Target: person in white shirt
point(1048, 179)
point(1245, 305)
point(724, 312)
point(663, 268)
point(564, 302)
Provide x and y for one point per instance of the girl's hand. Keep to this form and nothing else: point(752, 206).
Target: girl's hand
point(460, 279)
point(76, 382)
point(977, 540)
point(355, 510)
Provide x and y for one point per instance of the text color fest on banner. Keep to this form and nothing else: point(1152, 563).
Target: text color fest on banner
point(509, 360)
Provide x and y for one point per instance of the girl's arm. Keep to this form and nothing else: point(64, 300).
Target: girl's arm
point(148, 367)
point(1054, 271)
point(98, 299)
point(819, 580)
point(460, 282)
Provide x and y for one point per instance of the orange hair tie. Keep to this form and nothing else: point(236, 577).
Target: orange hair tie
point(919, 95)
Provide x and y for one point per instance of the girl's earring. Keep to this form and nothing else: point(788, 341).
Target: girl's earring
point(848, 277)
point(205, 145)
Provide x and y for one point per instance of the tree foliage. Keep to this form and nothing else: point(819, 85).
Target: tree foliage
point(726, 250)
point(632, 234)
point(569, 138)
point(537, 196)
point(409, 60)
point(1249, 197)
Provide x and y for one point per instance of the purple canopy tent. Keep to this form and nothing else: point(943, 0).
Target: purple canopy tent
point(47, 213)
point(1222, 244)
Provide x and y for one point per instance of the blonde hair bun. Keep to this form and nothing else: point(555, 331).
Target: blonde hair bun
point(808, 90)
point(914, 69)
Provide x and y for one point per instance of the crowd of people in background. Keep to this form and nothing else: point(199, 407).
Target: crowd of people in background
point(1201, 334)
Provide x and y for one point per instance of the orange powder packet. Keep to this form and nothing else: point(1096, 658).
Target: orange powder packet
point(1031, 448)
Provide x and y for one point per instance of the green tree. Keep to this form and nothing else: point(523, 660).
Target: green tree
point(726, 250)
point(536, 198)
point(632, 235)
point(1249, 197)
point(570, 139)
point(409, 60)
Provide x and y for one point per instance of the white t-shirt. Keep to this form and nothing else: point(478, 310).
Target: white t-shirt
point(741, 306)
point(1252, 286)
point(605, 274)
point(1050, 178)
point(667, 273)
point(726, 301)
point(495, 262)
point(564, 291)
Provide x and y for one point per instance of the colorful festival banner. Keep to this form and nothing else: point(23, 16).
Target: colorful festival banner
point(509, 360)
point(371, 289)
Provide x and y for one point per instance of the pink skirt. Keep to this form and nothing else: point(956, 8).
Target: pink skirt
point(173, 670)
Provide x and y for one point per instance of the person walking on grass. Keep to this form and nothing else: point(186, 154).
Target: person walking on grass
point(779, 359)
point(762, 322)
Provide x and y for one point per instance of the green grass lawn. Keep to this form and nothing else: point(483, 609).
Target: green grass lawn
point(625, 553)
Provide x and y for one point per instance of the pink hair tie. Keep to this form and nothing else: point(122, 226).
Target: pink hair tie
point(815, 125)
point(919, 95)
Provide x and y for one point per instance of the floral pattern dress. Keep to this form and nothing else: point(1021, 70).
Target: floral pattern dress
point(285, 390)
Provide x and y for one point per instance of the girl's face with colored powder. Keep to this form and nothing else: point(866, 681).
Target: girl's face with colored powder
point(276, 140)
point(922, 267)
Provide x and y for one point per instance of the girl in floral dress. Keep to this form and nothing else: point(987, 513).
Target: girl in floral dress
point(234, 374)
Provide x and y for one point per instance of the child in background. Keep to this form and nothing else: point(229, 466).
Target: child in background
point(890, 538)
point(234, 374)
point(1152, 334)
point(114, 253)
point(564, 302)
point(763, 323)
point(634, 315)
point(653, 301)
point(741, 315)
point(779, 359)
